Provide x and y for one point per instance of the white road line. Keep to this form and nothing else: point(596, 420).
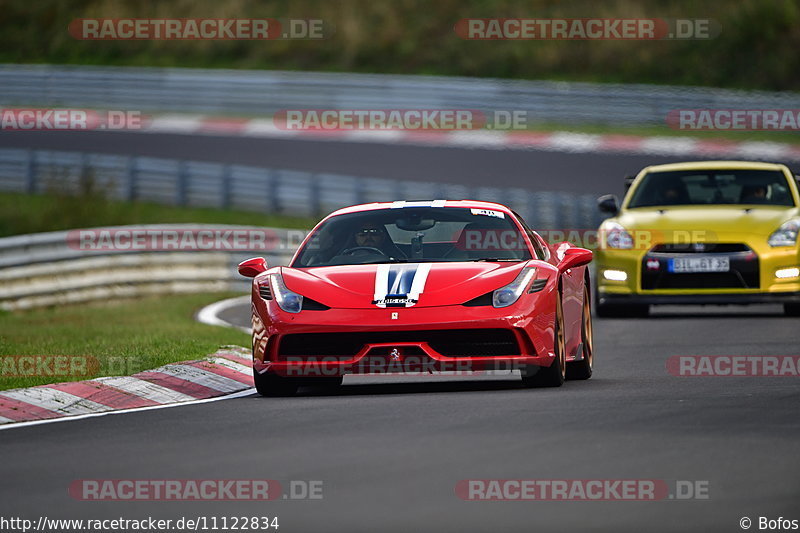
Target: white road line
point(575, 142)
point(233, 366)
point(478, 139)
point(266, 128)
point(145, 389)
point(559, 141)
point(668, 145)
point(202, 377)
point(175, 123)
point(762, 150)
point(210, 313)
point(373, 136)
point(55, 400)
point(15, 425)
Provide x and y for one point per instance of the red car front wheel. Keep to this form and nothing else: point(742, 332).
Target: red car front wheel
point(555, 374)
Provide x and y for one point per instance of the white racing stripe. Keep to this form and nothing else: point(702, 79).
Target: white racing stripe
point(400, 291)
point(55, 400)
point(381, 282)
point(202, 377)
point(233, 366)
point(418, 284)
point(145, 389)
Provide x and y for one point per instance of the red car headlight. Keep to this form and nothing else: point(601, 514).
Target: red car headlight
point(505, 296)
point(289, 301)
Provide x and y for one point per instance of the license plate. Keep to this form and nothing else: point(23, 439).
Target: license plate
point(681, 265)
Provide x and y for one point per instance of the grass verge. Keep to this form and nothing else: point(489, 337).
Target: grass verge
point(33, 213)
point(125, 336)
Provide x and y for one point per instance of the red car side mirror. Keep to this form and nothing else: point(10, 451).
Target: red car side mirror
point(252, 267)
point(575, 257)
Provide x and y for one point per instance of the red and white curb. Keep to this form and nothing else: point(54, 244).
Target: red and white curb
point(225, 373)
point(562, 141)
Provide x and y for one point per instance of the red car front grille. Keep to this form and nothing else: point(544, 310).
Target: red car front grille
point(449, 343)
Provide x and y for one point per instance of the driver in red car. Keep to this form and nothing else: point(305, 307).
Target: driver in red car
point(371, 235)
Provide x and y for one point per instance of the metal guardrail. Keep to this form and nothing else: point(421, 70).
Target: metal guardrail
point(262, 93)
point(292, 192)
point(45, 269)
point(48, 269)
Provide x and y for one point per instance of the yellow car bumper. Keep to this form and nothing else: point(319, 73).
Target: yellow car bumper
point(762, 275)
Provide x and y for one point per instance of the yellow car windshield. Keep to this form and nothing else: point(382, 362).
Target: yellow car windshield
point(713, 187)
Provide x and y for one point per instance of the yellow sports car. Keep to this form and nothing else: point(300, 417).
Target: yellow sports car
point(709, 232)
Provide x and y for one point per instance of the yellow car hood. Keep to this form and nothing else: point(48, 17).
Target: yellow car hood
point(758, 220)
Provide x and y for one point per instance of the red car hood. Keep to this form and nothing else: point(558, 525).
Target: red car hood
point(399, 284)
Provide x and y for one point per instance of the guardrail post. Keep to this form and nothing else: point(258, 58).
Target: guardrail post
point(227, 178)
point(132, 176)
point(31, 172)
point(182, 185)
point(588, 211)
point(361, 197)
point(84, 179)
point(314, 195)
point(399, 192)
point(560, 213)
point(273, 190)
point(544, 210)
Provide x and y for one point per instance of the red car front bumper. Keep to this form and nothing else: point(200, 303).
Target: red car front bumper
point(415, 339)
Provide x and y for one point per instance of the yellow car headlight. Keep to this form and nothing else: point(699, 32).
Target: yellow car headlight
point(617, 237)
point(786, 235)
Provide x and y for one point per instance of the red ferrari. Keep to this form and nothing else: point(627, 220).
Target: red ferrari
point(435, 286)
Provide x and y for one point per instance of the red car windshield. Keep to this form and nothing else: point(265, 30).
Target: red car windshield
point(414, 234)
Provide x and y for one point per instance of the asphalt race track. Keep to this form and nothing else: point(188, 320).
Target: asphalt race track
point(390, 450)
point(594, 173)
